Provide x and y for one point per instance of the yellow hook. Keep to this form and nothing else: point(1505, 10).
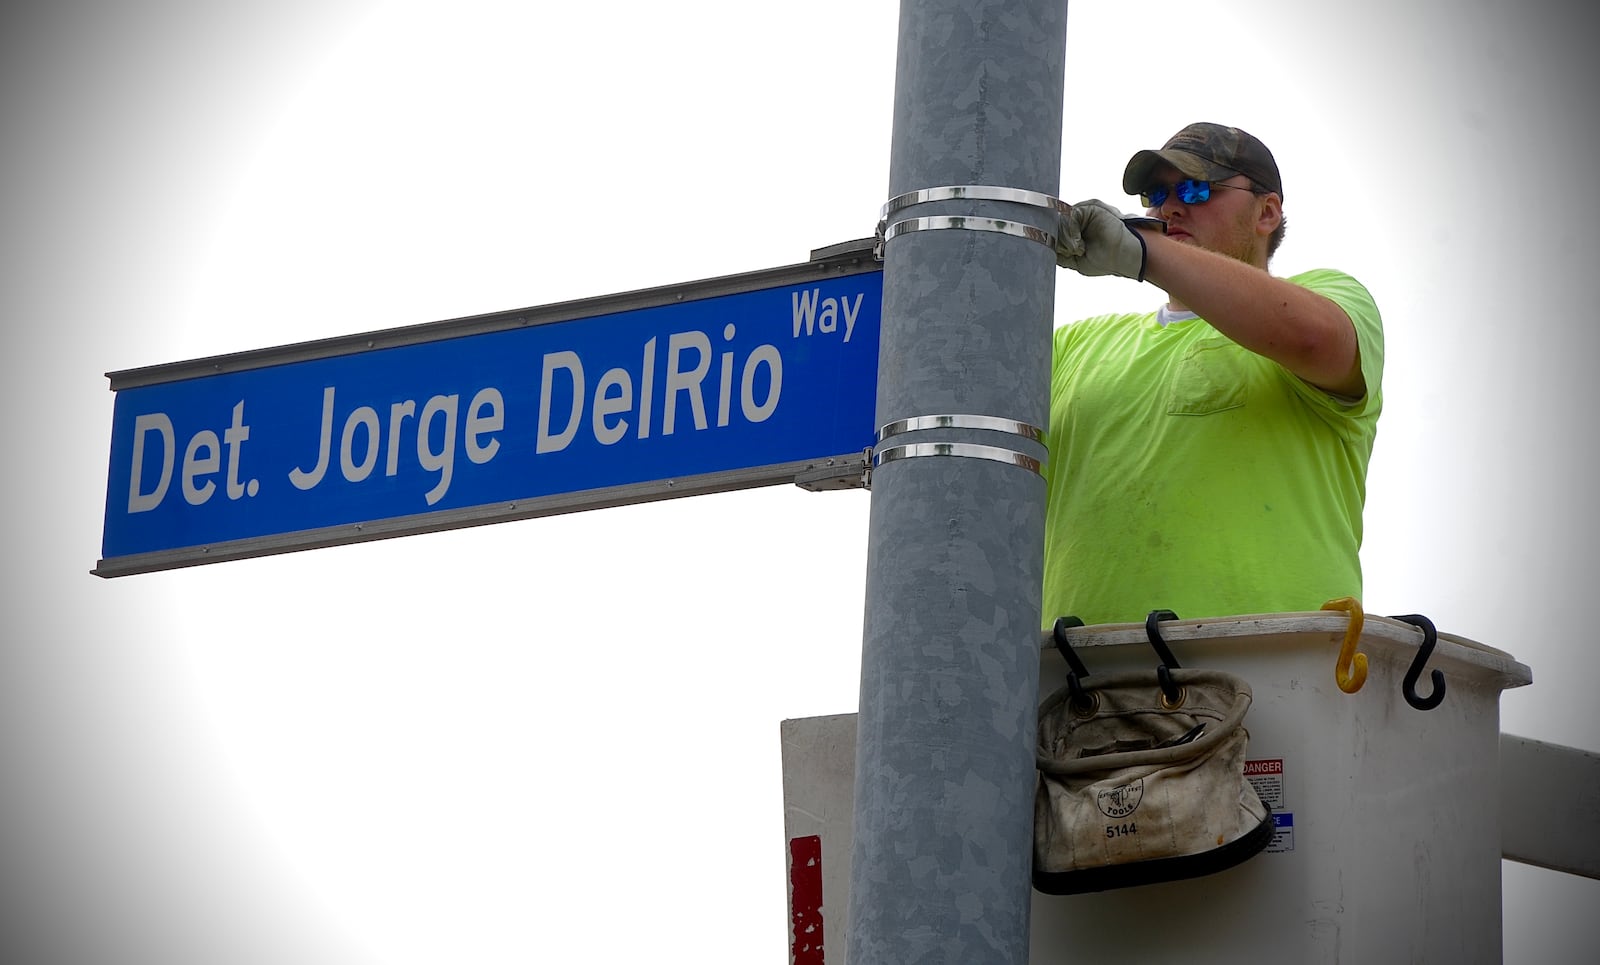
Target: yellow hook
point(1351, 670)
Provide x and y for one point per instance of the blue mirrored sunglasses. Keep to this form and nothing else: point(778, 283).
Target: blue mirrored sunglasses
point(1189, 191)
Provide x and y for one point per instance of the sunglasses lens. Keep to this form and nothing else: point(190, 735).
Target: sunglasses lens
point(1188, 191)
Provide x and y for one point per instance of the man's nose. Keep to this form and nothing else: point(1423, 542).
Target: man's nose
point(1172, 204)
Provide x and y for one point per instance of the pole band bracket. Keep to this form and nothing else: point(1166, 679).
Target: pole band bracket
point(968, 450)
point(989, 422)
point(972, 192)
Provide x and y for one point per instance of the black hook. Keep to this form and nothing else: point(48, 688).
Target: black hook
point(1408, 685)
point(1152, 629)
point(1076, 671)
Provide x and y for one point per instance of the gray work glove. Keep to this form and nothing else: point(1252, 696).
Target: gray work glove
point(1097, 239)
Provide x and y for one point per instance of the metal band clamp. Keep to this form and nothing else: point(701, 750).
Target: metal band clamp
point(973, 192)
point(1016, 229)
point(968, 450)
point(990, 422)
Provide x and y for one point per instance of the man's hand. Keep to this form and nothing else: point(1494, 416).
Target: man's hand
point(1096, 239)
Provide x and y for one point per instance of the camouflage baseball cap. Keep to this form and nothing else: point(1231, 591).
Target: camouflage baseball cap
point(1209, 152)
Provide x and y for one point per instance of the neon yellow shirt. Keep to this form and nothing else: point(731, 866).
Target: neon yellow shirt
point(1187, 473)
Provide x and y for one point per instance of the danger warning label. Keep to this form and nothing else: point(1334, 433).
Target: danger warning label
point(1266, 776)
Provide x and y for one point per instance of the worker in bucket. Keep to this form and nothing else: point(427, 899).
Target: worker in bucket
point(1208, 455)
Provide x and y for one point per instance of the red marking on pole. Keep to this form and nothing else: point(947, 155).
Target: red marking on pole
point(805, 900)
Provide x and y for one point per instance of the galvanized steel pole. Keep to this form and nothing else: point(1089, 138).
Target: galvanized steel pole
point(949, 678)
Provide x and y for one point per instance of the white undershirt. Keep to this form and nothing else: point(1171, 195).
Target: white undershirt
point(1165, 316)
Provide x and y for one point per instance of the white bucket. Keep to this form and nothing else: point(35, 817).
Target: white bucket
point(1388, 847)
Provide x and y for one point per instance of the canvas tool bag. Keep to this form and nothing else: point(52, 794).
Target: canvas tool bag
point(1136, 787)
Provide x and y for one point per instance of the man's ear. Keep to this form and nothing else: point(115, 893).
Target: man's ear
point(1271, 214)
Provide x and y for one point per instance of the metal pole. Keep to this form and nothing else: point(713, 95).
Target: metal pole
point(949, 676)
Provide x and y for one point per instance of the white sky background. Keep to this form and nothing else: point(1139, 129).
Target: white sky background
point(557, 740)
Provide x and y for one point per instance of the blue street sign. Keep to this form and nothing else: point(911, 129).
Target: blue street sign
point(735, 382)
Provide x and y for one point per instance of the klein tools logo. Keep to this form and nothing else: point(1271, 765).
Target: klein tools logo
point(1120, 801)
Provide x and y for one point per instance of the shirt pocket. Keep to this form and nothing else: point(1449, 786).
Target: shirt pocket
point(1211, 378)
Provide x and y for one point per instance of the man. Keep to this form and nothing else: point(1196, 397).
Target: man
point(1208, 457)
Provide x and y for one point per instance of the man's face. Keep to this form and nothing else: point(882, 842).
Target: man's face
point(1229, 223)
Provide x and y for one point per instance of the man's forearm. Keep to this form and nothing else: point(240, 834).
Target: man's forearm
point(1299, 329)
